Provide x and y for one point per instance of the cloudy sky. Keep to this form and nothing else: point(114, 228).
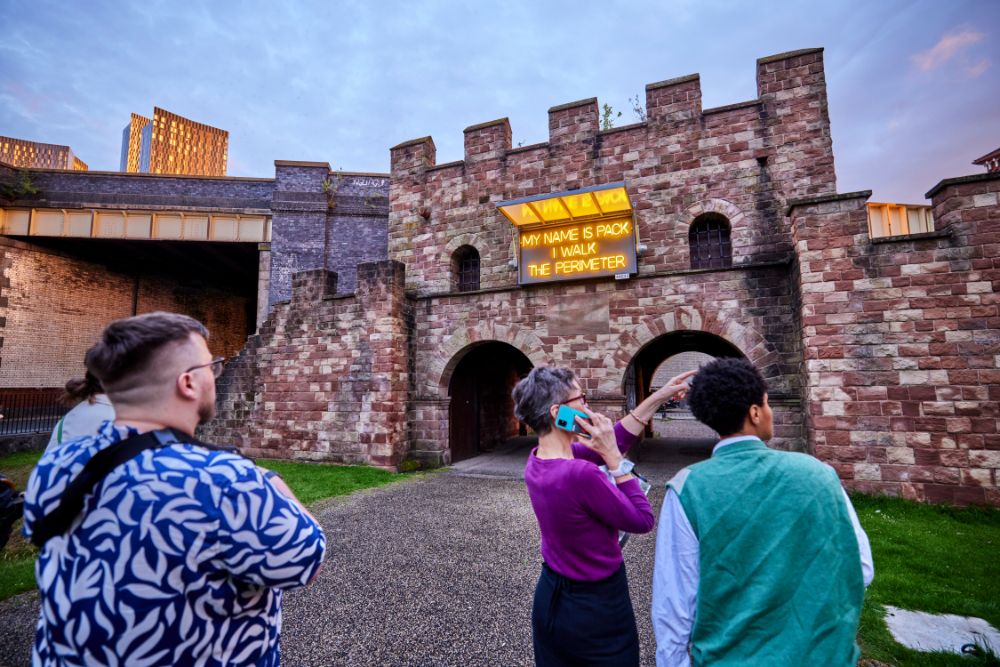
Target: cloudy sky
point(914, 87)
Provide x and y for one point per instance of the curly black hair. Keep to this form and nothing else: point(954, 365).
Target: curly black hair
point(722, 393)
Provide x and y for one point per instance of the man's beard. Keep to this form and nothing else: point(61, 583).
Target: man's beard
point(205, 412)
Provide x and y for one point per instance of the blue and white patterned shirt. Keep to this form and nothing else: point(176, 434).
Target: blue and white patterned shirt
point(178, 558)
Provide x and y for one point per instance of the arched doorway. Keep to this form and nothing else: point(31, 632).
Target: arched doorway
point(639, 375)
point(661, 359)
point(674, 419)
point(481, 410)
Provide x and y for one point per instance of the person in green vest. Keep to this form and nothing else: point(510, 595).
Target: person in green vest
point(760, 559)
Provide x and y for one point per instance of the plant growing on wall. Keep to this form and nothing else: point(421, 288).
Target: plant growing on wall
point(18, 186)
point(637, 108)
point(608, 113)
point(331, 185)
point(608, 116)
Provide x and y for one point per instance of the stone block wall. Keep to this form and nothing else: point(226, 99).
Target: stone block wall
point(327, 376)
point(747, 306)
point(743, 161)
point(793, 88)
point(236, 392)
point(901, 338)
point(324, 219)
point(76, 189)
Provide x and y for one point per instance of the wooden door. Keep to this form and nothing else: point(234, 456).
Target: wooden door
point(463, 412)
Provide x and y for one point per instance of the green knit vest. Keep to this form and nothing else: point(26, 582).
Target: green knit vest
point(780, 573)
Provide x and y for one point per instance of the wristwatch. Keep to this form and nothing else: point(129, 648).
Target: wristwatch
point(624, 468)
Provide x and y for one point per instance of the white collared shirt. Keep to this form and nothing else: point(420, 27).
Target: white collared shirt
point(676, 574)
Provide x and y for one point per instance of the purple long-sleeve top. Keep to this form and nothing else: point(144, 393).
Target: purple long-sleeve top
point(580, 510)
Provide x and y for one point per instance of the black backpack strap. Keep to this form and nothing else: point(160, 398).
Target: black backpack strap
point(59, 520)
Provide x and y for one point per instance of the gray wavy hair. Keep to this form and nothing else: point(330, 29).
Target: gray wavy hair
point(534, 395)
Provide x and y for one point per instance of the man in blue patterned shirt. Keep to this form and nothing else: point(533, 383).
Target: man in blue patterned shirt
point(180, 555)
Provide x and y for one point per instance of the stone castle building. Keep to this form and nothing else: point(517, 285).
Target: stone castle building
point(717, 231)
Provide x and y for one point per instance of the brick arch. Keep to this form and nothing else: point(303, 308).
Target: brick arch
point(739, 231)
point(720, 206)
point(455, 347)
point(741, 335)
point(463, 239)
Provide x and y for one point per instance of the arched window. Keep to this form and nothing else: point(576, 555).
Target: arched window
point(465, 269)
point(709, 242)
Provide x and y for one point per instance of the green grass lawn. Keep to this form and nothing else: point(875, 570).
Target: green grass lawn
point(314, 481)
point(928, 558)
point(17, 559)
point(310, 482)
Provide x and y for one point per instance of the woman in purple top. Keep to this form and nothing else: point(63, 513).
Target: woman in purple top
point(582, 613)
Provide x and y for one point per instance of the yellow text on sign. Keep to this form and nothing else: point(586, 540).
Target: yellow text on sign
point(592, 265)
point(596, 247)
point(588, 231)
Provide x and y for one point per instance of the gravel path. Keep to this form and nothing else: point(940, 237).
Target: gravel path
point(436, 570)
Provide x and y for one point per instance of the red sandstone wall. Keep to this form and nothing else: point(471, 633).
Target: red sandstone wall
point(744, 161)
point(638, 312)
point(902, 345)
point(55, 306)
point(327, 376)
point(794, 84)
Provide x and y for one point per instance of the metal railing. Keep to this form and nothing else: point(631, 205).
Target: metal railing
point(28, 411)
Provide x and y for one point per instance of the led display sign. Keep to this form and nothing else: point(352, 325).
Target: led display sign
point(580, 250)
point(571, 235)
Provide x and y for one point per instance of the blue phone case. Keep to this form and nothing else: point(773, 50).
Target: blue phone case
point(565, 419)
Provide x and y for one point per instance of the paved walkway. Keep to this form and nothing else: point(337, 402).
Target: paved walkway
point(435, 570)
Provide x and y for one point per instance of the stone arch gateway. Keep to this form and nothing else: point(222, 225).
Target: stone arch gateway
point(898, 394)
point(480, 408)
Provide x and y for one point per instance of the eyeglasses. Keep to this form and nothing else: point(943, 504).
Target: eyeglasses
point(216, 365)
point(581, 397)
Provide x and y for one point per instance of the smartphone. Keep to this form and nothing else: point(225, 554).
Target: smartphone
point(565, 420)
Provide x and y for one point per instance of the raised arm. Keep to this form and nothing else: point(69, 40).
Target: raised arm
point(623, 438)
point(638, 418)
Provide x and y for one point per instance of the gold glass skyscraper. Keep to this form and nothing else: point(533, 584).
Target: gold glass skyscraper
point(132, 144)
point(23, 153)
point(172, 144)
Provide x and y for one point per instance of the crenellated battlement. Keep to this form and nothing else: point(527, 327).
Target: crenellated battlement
point(487, 141)
point(673, 106)
point(675, 100)
point(744, 159)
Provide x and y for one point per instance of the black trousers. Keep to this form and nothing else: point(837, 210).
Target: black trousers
point(584, 622)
